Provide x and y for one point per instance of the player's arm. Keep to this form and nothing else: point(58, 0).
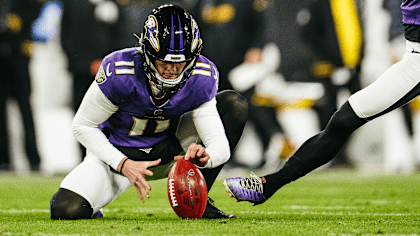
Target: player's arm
point(210, 128)
point(94, 110)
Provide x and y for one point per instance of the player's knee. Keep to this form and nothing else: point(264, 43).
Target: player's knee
point(345, 120)
point(233, 111)
point(67, 205)
point(233, 104)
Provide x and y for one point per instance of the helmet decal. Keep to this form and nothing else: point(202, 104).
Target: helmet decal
point(151, 28)
point(195, 34)
point(176, 29)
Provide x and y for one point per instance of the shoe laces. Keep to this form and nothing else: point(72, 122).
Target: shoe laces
point(254, 182)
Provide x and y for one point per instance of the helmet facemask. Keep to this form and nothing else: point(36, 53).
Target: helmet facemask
point(170, 35)
point(163, 84)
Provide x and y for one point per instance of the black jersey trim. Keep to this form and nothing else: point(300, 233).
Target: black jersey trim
point(412, 32)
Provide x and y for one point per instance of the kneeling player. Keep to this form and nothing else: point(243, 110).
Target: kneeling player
point(147, 105)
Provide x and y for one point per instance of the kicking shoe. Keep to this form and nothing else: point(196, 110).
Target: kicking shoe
point(212, 212)
point(246, 189)
point(99, 214)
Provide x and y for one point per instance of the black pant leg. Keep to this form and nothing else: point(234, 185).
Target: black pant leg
point(233, 111)
point(316, 151)
point(4, 137)
point(22, 91)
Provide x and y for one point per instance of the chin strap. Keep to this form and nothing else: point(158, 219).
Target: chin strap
point(158, 93)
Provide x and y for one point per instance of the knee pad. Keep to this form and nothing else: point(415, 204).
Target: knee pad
point(67, 205)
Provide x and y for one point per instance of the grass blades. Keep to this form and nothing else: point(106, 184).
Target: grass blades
point(321, 203)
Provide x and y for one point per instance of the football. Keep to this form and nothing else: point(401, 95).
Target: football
point(187, 190)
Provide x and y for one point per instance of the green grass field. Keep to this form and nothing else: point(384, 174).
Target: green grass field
point(321, 203)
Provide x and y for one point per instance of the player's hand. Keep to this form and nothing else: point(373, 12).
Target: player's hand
point(196, 154)
point(135, 171)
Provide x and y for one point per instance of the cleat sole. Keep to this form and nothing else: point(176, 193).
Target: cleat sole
point(231, 195)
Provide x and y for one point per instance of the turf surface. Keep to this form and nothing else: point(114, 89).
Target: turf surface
point(321, 203)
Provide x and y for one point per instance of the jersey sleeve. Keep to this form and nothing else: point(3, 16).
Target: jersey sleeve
point(95, 109)
point(105, 79)
point(205, 78)
point(112, 76)
point(210, 128)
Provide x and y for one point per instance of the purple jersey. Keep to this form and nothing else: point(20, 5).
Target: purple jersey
point(411, 12)
point(138, 121)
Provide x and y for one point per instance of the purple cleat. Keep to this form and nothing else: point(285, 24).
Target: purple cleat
point(246, 189)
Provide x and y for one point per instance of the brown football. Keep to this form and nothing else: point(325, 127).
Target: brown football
point(187, 190)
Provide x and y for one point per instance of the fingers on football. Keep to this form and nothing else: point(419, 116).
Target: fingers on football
point(200, 161)
point(204, 159)
point(190, 151)
point(200, 152)
point(195, 150)
point(178, 157)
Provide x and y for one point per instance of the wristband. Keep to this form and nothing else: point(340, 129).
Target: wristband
point(122, 165)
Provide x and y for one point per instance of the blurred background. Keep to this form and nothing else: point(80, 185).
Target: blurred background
point(295, 61)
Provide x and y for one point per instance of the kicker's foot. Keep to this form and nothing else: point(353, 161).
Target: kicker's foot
point(246, 189)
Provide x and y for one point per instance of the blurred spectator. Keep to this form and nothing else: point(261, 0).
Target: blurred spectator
point(46, 26)
point(291, 90)
point(333, 31)
point(284, 21)
point(235, 30)
point(86, 37)
point(259, 82)
point(16, 18)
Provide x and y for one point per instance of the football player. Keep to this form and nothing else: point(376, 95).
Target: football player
point(394, 88)
point(148, 104)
